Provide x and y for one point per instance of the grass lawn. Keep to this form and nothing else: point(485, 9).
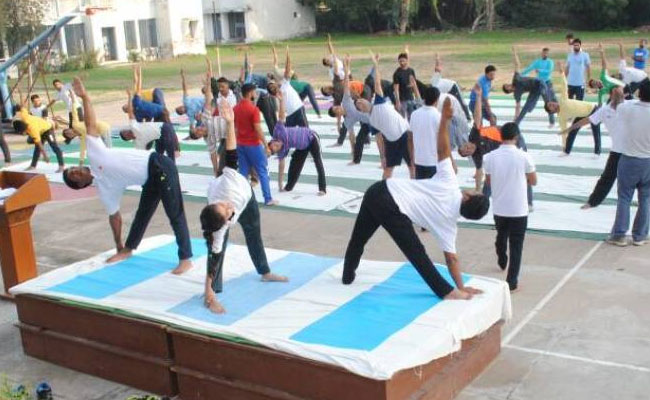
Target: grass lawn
point(464, 56)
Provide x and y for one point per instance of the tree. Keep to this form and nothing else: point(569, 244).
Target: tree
point(20, 21)
point(404, 16)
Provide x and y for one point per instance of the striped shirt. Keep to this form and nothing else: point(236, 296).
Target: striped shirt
point(297, 137)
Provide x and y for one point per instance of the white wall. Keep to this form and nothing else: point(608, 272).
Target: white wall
point(265, 19)
point(171, 16)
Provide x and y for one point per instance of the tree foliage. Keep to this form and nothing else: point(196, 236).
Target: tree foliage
point(20, 21)
point(381, 15)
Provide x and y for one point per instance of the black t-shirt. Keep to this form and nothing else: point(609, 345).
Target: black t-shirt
point(402, 77)
point(523, 85)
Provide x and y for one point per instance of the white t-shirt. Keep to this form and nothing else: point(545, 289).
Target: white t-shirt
point(291, 98)
point(37, 111)
point(231, 98)
point(145, 132)
point(336, 68)
point(634, 119)
point(388, 121)
point(444, 85)
point(232, 187)
point(64, 96)
point(425, 122)
point(433, 203)
point(115, 170)
point(455, 106)
point(607, 115)
point(631, 75)
point(507, 167)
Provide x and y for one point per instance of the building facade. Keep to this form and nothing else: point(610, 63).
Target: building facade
point(151, 28)
point(254, 20)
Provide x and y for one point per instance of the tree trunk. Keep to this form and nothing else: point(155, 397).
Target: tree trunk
point(404, 16)
point(489, 11)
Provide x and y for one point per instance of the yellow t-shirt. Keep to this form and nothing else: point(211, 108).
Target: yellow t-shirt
point(103, 128)
point(147, 95)
point(36, 126)
point(571, 108)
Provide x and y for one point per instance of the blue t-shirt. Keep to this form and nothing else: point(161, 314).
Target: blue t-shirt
point(193, 106)
point(146, 110)
point(641, 53)
point(577, 63)
point(486, 86)
point(544, 69)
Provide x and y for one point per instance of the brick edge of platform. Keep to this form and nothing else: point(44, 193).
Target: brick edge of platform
point(160, 359)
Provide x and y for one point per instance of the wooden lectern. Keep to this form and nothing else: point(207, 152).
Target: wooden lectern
point(16, 243)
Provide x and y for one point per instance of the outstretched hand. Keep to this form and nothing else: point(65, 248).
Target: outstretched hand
point(79, 88)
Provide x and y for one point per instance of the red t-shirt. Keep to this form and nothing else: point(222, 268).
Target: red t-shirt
point(246, 116)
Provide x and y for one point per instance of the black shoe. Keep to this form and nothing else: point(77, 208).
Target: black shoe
point(503, 262)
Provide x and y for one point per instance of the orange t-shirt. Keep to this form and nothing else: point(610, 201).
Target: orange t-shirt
point(491, 132)
point(356, 88)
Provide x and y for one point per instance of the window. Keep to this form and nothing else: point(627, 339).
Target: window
point(189, 27)
point(237, 25)
point(129, 34)
point(148, 33)
point(75, 39)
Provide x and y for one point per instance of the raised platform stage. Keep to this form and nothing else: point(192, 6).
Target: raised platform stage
point(167, 354)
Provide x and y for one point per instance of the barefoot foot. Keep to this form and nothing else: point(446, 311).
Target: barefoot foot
point(121, 255)
point(213, 305)
point(270, 277)
point(183, 267)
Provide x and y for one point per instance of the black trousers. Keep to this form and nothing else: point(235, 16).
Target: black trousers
point(425, 171)
point(298, 158)
point(511, 231)
point(80, 115)
point(267, 106)
point(576, 92)
point(343, 132)
point(298, 118)
point(455, 91)
point(362, 138)
point(378, 208)
point(308, 92)
point(4, 146)
point(595, 131)
point(606, 180)
point(162, 184)
point(250, 223)
point(50, 138)
point(168, 141)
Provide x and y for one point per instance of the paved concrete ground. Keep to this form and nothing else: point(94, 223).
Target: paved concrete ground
point(585, 337)
point(581, 324)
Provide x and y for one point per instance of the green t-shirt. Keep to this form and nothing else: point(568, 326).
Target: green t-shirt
point(609, 83)
point(298, 86)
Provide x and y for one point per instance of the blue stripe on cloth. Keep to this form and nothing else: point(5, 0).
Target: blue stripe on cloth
point(246, 294)
point(369, 319)
point(114, 278)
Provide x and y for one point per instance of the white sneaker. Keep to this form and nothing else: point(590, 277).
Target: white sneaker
point(640, 242)
point(563, 154)
point(620, 242)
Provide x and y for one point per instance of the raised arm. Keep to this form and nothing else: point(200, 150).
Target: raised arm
point(129, 105)
point(603, 59)
point(515, 57)
point(444, 147)
point(375, 60)
point(183, 82)
point(346, 70)
point(438, 65)
point(621, 51)
point(330, 46)
point(282, 112)
point(138, 88)
point(287, 66)
point(226, 112)
point(207, 90)
point(90, 119)
point(478, 107)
